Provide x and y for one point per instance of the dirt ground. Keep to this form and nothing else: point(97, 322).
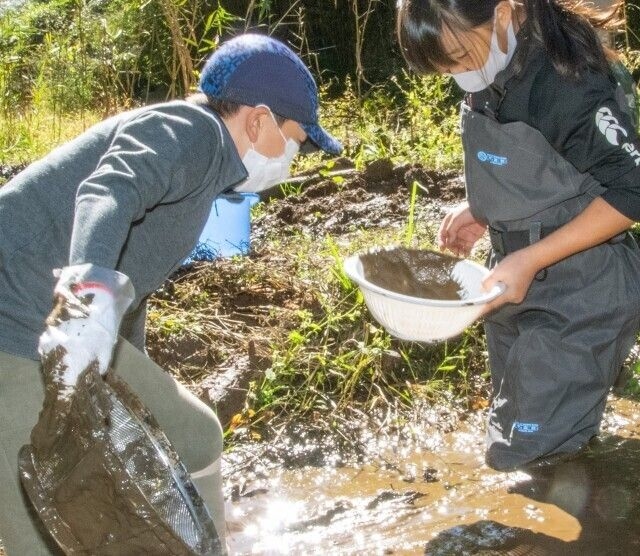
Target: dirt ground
point(250, 302)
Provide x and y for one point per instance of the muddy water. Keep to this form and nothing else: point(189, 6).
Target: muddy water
point(436, 497)
point(414, 272)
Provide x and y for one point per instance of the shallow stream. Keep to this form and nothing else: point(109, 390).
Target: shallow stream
point(436, 497)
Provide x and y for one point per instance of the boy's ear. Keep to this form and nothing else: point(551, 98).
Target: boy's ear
point(255, 121)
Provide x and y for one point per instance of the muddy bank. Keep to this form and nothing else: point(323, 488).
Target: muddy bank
point(212, 324)
point(342, 200)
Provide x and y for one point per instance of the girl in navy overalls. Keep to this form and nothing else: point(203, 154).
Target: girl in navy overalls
point(552, 169)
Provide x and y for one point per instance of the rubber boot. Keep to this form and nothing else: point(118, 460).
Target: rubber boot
point(208, 481)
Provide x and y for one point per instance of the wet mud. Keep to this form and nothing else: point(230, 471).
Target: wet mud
point(103, 477)
point(345, 200)
point(435, 496)
point(414, 272)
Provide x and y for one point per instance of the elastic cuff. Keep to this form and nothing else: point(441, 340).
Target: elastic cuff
point(90, 275)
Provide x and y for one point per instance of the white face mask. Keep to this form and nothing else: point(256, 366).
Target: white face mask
point(265, 172)
point(476, 80)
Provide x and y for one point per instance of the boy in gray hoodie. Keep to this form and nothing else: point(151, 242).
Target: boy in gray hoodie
point(108, 217)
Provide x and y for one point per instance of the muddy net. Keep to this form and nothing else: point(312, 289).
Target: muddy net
point(105, 480)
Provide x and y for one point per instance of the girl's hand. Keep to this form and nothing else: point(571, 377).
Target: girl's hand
point(598, 223)
point(459, 231)
point(516, 271)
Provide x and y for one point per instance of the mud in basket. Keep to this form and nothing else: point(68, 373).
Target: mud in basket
point(420, 295)
point(105, 480)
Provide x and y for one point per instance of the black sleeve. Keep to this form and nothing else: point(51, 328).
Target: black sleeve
point(622, 194)
point(584, 123)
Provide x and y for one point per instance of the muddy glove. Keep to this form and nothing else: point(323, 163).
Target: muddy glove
point(83, 327)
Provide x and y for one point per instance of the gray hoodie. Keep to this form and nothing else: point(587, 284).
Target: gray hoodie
point(132, 193)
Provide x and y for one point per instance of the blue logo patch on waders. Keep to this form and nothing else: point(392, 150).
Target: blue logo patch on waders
point(528, 428)
point(492, 158)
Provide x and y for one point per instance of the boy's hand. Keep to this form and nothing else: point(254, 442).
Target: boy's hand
point(459, 231)
point(83, 326)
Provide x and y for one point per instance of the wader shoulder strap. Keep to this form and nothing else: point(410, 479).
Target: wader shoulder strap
point(498, 92)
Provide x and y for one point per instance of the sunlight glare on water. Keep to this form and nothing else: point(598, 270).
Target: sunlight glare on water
point(447, 502)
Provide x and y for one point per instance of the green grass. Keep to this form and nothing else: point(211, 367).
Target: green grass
point(25, 137)
point(413, 122)
point(409, 119)
point(412, 206)
point(340, 358)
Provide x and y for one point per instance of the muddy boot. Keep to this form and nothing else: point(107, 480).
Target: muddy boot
point(551, 460)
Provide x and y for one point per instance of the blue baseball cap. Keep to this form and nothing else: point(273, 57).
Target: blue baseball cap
point(253, 69)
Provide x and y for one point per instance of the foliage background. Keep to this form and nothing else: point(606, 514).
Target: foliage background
point(65, 64)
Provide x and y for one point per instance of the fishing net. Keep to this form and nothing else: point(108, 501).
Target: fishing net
point(105, 480)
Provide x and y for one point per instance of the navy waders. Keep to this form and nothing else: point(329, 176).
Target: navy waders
point(554, 356)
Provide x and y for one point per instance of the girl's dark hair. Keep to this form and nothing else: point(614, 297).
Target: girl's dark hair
point(566, 29)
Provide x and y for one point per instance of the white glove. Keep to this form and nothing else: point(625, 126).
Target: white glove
point(83, 326)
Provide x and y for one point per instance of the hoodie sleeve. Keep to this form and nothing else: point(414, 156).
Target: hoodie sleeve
point(158, 157)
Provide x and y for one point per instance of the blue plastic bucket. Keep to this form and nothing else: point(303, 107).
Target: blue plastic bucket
point(228, 229)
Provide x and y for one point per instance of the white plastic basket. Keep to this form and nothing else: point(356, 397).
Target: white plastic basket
point(426, 320)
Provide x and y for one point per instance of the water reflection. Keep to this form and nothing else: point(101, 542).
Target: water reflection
point(599, 488)
point(438, 498)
